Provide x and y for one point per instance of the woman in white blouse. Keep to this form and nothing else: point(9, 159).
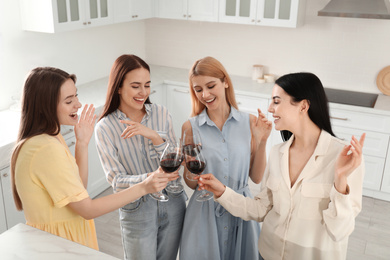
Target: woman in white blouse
point(311, 191)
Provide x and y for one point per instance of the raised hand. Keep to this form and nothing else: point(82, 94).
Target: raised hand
point(84, 128)
point(261, 127)
point(347, 161)
point(209, 182)
point(135, 128)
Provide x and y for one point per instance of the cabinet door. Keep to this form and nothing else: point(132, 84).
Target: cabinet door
point(179, 105)
point(68, 14)
point(157, 95)
point(386, 174)
point(203, 10)
point(13, 216)
point(3, 219)
point(97, 182)
point(283, 13)
point(122, 11)
point(237, 11)
point(172, 9)
point(98, 12)
point(141, 9)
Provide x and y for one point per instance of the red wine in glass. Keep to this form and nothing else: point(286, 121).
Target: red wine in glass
point(195, 166)
point(171, 163)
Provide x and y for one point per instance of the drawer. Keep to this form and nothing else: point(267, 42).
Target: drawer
point(250, 104)
point(375, 144)
point(358, 120)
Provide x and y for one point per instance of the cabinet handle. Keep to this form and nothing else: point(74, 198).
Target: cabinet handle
point(253, 20)
point(84, 23)
point(239, 103)
point(68, 132)
point(136, 16)
point(89, 22)
point(153, 92)
point(339, 118)
point(5, 175)
point(184, 15)
point(181, 91)
point(189, 16)
point(71, 144)
point(258, 21)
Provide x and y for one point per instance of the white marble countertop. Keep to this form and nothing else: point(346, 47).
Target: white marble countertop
point(25, 242)
point(95, 93)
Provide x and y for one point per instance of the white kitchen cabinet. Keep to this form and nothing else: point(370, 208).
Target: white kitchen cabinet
point(52, 16)
point(385, 186)
point(179, 105)
point(374, 152)
point(132, 10)
point(3, 219)
point(237, 11)
point(280, 13)
point(158, 95)
point(12, 215)
point(197, 10)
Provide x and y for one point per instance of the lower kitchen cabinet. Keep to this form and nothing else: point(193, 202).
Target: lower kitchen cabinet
point(385, 187)
point(179, 106)
point(11, 216)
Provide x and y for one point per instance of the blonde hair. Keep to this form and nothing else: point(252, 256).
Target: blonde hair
point(211, 67)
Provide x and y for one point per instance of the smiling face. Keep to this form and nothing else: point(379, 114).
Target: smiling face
point(68, 104)
point(284, 111)
point(134, 91)
point(210, 91)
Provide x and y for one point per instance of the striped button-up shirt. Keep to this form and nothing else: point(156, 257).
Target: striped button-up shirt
point(128, 161)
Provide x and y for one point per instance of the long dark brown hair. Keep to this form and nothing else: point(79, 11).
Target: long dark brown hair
point(122, 65)
point(39, 111)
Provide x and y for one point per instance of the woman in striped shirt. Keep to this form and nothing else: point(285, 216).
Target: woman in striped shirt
point(131, 135)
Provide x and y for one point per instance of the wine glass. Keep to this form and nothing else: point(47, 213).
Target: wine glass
point(170, 161)
point(190, 141)
point(195, 161)
point(176, 153)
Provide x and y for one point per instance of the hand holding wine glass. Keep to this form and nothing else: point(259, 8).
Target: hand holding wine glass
point(170, 162)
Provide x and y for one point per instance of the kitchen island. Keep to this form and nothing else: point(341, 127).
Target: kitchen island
point(25, 242)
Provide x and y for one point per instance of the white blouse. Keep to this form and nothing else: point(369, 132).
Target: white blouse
point(310, 220)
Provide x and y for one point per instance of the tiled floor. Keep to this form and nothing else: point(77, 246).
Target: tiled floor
point(369, 241)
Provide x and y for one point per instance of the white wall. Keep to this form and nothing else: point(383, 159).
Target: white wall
point(346, 53)
point(88, 53)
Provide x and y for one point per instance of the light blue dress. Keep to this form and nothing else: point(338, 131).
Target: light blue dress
point(209, 231)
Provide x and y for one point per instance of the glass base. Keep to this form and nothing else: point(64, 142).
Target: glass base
point(204, 196)
point(159, 196)
point(174, 188)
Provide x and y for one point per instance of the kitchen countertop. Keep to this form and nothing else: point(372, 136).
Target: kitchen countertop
point(25, 242)
point(95, 93)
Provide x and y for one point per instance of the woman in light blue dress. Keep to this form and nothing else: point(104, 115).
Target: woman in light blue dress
point(233, 144)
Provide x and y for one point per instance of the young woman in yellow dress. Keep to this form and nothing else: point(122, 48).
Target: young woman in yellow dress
point(48, 183)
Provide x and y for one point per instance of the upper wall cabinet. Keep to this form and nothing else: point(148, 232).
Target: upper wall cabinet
point(282, 13)
point(131, 10)
point(64, 15)
point(197, 10)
